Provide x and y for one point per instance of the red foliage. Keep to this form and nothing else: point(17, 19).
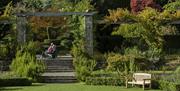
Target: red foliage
point(138, 5)
point(135, 6)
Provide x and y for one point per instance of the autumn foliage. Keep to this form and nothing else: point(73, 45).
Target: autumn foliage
point(139, 5)
point(42, 23)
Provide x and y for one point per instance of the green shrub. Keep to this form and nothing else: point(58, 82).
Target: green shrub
point(174, 77)
point(37, 47)
point(169, 86)
point(83, 66)
point(171, 82)
point(15, 82)
point(172, 6)
point(83, 63)
point(123, 63)
point(104, 81)
point(31, 47)
point(101, 60)
point(25, 63)
point(47, 41)
point(8, 75)
point(4, 51)
point(103, 73)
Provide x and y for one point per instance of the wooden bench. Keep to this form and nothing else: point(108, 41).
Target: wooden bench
point(140, 79)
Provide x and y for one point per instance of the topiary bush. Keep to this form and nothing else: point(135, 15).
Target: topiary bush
point(15, 82)
point(104, 81)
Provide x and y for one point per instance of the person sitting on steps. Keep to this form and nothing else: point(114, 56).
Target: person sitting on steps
point(51, 50)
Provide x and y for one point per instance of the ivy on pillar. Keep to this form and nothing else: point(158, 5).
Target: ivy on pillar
point(21, 29)
point(89, 34)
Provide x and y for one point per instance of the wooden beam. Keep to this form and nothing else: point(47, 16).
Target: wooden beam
point(48, 14)
point(113, 23)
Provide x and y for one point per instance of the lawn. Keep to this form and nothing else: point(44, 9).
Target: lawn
point(69, 87)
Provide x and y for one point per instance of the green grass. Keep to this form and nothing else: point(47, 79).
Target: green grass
point(69, 87)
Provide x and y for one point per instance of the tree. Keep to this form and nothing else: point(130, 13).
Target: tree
point(38, 24)
point(102, 6)
point(173, 6)
point(5, 16)
point(146, 32)
point(139, 5)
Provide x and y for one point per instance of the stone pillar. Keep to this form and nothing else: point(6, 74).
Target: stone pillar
point(89, 34)
point(21, 29)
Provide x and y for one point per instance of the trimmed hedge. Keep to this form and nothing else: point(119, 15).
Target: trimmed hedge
point(104, 81)
point(15, 82)
point(169, 86)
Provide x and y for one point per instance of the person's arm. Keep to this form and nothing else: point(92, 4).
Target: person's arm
point(54, 48)
point(49, 48)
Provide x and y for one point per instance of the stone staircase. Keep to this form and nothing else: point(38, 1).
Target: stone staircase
point(59, 70)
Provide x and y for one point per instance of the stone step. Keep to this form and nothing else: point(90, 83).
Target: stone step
point(59, 74)
point(57, 59)
point(59, 62)
point(57, 65)
point(62, 57)
point(59, 77)
point(59, 70)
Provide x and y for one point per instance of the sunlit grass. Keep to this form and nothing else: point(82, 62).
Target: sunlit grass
point(69, 87)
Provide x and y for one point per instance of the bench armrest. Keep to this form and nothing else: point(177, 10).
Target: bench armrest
point(127, 79)
point(147, 79)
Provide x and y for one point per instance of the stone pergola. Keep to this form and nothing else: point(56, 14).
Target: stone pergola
point(22, 22)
